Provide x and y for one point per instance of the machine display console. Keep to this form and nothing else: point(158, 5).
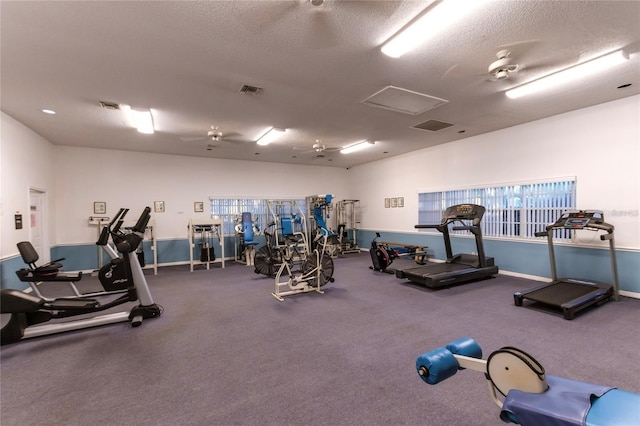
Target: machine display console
point(580, 219)
point(464, 211)
point(576, 223)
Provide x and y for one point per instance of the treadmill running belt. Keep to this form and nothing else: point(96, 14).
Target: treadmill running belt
point(560, 292)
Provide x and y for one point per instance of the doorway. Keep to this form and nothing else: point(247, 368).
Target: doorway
point(37, 229)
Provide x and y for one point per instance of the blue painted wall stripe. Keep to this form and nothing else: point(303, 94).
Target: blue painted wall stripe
point(530, 258)
point(519, 257)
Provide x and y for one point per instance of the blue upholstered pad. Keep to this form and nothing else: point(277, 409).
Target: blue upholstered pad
point(566, 403)
point(616, 407)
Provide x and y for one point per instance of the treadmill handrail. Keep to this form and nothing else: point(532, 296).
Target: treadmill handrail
point(593, 226)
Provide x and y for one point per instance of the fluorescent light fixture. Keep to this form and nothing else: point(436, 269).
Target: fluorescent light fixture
point(441, 14)
point(270, 135)
point(141, 119)
point(127, 115)
point(49, 111)
point(356, 147)
point(569, 75)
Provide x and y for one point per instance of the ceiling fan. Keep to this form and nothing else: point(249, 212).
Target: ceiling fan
point(503, 67)
point(318, 18)
point(318, 147)
point(214, 138)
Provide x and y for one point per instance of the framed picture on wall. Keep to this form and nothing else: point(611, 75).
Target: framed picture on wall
point(400, 201)
point(99, 207)
point(394, 202)
point(198, 207)
point(158, 206)
point(387, 203)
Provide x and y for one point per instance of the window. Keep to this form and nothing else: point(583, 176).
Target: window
point(517, 210)
point(230, 211)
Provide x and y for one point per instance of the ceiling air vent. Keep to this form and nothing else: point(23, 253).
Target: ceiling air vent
point(432, 125)
point(109, 105)
point(250, 90)
point(403, 100)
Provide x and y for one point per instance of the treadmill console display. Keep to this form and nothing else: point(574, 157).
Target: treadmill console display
point(575, 223)
point(464, 211)
point(579, 219)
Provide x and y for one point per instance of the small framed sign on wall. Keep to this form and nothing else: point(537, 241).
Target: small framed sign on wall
point(158, 206)
point(99, 207)
point(198, 207)
point(400, 201)
point(387, 203)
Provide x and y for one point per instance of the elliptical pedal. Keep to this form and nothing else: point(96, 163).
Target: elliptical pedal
point(63, 303)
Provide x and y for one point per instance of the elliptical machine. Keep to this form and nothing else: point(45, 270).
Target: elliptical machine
point(22, 312)
point(112, 275)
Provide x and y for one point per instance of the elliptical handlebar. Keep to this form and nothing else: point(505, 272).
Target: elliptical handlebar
point(143, 220)
point(126, 242)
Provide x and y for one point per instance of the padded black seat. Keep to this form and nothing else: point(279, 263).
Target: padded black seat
point(47, 272)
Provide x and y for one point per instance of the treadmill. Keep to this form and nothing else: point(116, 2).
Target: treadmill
point(459, 268)
point(567, 294)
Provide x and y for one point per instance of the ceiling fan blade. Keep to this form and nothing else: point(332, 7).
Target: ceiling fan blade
point(267, 14)
point(520, 49)
point(459, 71)
point(322, 31)
point(193, 138)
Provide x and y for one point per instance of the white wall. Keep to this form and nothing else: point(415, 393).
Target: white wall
point(599, 145)
point(136, 180)
point(27, 161)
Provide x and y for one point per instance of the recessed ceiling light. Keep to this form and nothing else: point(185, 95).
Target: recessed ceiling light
point(48, 111)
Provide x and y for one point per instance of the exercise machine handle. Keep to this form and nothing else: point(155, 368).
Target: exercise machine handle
point(604, 237)
point(463, 228)
point(122, 212)
point(104, 237)
point(427, 226)
point(541, 233)
point(143, 220)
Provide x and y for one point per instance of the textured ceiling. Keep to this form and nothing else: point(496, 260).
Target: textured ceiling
point(188, 60)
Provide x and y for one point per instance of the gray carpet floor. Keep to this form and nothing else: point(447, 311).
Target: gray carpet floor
point(225, 352)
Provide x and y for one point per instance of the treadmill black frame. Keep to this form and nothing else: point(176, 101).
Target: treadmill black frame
point(595, 293)
point(459, 268)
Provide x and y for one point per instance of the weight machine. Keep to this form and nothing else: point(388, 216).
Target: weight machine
point(285, 235)
point(202, 233)
point(291, 227)
point(347, 217)
point(319, 209)
point(246, 230)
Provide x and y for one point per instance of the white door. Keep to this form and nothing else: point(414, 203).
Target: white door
point(37, 230)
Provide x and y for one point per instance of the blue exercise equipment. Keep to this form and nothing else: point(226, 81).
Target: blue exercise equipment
point(527, 395)
point(246, 231)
